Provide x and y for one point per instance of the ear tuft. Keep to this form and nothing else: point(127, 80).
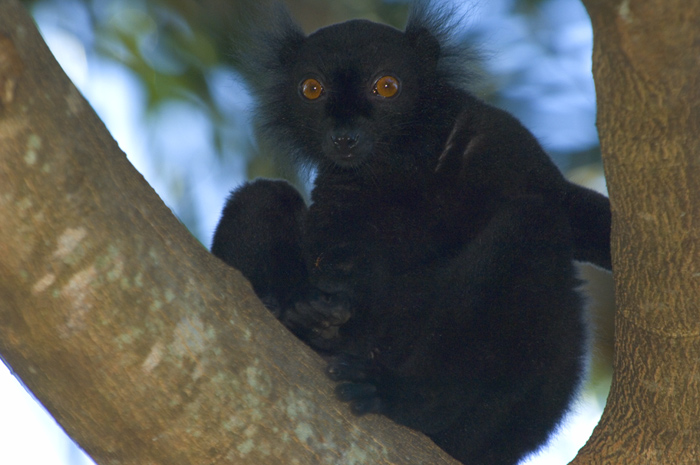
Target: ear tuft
point(435, 29)
point(268, 40)
point(426, 45)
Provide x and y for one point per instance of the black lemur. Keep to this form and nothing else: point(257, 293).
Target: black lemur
point(433, 266)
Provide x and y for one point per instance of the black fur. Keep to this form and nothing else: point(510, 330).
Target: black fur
point(433, 266)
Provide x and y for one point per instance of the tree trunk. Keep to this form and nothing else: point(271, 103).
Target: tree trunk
point(646, 65)
point(142, 345)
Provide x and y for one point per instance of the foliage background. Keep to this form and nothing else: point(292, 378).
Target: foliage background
point(159, 74)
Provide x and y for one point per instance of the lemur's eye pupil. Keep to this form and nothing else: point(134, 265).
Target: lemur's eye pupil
point(311, 89)
point(386, 86)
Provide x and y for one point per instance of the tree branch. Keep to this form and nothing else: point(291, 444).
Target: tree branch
point(143, 346)
point(647, 71)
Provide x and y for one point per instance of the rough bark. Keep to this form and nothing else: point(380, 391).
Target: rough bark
point(143, 346)
point(646, 64)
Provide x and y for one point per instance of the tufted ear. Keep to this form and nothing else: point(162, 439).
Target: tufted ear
point(428, 25)
point(434, 29)
point(283, 33)
point(269, 41)
point(425, 44)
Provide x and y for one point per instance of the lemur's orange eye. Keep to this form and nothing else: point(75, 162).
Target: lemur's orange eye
point(386, 86)
point(311, 89)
